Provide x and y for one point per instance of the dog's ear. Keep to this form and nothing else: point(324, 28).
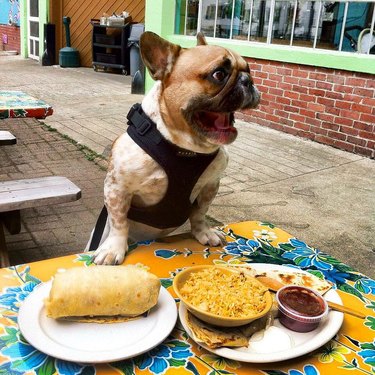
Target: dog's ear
point(158, 54)
point(201, 40)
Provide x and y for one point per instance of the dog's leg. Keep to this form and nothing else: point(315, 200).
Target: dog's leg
point(199, 227)
point(117, 200)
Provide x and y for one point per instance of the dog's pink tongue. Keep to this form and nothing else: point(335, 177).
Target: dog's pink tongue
point(222, 121)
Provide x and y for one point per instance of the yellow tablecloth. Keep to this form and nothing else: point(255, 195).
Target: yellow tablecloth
point(351, 351)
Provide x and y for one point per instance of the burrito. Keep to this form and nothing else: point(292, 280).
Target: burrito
point(102, 291)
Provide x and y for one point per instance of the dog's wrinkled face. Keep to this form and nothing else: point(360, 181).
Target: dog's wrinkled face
point(202, 86)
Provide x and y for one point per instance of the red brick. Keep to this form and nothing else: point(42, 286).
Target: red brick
point(369, 101)
point(343, 89)
point(316, 107)
point(335, 78)
point(313, 121)
point(319, 130)
point(370, 83)
point(307, 113)
point(364, 92)
point(270, 69)
point(269, 83)
point(364, 151)
point(334, 95)
point(333, 111)
point(307, 98)
point(301, 89)
point(324, 85)
point(350, 114)
point(352, 98)
point(290, 130)
point(296, 117)
point(354, 81)
point(299, 103)
point(324, 139)
point(258, 75)
point(302, 125)
point(291, 94)
point(284, 86)
point(343, 121)
point(343, 145)
point(290, 108)
point(325, 117)
point(367, 135)
point(343, 105)
point(277, 92)
point(349, 130)
point(326, 102)
point(283, 100)
point(292, 80)
point(364, 126)
point(300, 73)
point(362, 108)
point(367, 118)
point(329, 125)
point(318, 76)
point(284, 71)
point(275, 77)
point(356, 140)
point(307, 82)
point(316, 92)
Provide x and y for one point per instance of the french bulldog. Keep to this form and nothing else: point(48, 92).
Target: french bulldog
point(187, 118)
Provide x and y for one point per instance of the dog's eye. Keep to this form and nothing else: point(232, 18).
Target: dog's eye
point(219, 75)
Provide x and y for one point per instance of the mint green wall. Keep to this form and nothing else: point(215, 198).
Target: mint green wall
point(160, 19)
point(43, 18)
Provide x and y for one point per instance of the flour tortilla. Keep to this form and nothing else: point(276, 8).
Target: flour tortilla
point(289, 278)
point(212, 336)
point(102, 294)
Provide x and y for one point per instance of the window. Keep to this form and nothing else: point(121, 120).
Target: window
point(346, 26)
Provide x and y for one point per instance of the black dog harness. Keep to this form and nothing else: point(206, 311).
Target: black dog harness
point(183, 168)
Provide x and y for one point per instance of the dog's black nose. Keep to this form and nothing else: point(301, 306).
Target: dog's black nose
point(245, 80)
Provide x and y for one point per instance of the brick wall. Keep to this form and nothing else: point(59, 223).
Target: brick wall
point(11, 36)
point(329, 106)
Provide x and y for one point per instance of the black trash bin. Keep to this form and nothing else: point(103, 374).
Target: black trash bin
point(133, 45)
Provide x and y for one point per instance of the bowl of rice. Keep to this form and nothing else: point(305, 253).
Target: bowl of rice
point(221, 296)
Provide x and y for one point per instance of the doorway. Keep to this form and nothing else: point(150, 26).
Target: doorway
point(33, 28)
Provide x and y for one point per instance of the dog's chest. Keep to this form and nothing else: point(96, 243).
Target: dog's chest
point(139, 175)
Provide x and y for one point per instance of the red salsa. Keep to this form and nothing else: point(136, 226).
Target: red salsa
point(302, 301)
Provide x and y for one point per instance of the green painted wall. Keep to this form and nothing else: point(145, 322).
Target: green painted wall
point(160, 19)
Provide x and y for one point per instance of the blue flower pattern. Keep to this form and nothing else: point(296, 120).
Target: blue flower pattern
point(242, 247)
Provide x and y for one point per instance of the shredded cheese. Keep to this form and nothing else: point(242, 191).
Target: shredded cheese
point(234, 295)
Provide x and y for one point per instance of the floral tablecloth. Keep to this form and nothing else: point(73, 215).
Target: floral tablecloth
point(351, 351)
point(18, 104)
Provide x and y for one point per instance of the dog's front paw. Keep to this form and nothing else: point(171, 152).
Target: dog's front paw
point(210, 236)
point(112, 251)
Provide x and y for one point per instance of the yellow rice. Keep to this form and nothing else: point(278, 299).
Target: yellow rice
point(234, 295)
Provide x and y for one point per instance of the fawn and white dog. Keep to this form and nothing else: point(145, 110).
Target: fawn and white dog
point(166, 168)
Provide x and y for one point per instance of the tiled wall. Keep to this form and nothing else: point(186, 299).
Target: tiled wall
point(9, 38)
point(334, 107)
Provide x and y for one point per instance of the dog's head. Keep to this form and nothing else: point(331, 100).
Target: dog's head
point(202, 86)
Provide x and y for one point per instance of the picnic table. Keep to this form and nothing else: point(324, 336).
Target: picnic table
point(19, 104)
point(343, 345)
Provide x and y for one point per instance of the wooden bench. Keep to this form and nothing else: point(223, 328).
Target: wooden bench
point(7, 138)
point(16, 195)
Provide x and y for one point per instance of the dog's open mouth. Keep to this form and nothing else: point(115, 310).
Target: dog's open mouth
point(217, 126)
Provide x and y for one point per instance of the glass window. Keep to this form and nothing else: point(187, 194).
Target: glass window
point(336, 25)
point(34, 8)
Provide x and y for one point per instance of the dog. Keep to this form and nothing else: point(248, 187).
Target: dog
point(186, 119)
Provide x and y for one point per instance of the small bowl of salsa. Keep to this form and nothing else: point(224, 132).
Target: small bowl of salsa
point(301, 309)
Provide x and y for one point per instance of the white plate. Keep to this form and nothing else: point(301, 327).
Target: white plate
point(92, 342)
point(303, 343)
